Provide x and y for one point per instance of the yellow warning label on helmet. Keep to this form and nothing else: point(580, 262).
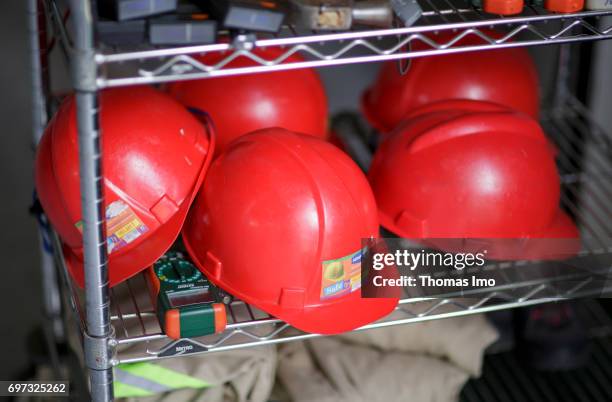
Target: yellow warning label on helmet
point(123, 226)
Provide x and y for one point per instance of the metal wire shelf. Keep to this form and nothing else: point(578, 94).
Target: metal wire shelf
point(138, 336)
point(535, 26)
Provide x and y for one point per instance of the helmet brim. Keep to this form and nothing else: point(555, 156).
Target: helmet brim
point(350, 313)
point(343, 314)
point(560, 240)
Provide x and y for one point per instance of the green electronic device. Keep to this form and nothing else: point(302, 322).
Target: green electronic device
point(187, 303)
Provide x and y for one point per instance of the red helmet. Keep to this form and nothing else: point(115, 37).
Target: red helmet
point(279, 223)
point(155, 154)
point(294, 100)
point(505, 76)
point(468, 169)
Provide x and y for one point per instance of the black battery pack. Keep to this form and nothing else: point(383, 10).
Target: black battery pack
point(249, 15)
point(190, 29)
point(121, 33)
point(121, 10)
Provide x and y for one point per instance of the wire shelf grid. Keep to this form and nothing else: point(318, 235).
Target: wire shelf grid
point(138, 336)
point(458, 18)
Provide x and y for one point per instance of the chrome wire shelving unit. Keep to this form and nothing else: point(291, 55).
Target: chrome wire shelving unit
point(138, 336)
point(119, 325)
point(535, 28)
point(458, 19)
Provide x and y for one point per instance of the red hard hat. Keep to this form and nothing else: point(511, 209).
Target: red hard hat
point(294, 99)
point(155, 154)
point(279, 223)
point(505, 76)
point(468, 169)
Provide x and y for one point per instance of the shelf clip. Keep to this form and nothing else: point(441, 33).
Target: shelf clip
point(244, 41)
point(99, 351)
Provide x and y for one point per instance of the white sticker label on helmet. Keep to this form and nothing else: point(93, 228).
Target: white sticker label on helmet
point(123, 226)
point(341, 276)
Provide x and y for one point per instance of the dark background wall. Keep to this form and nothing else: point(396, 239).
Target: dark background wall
point(20, 296)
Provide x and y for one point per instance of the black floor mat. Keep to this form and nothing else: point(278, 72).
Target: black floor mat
point(506, 379)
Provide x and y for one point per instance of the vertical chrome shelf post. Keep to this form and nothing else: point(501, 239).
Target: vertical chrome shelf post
point(98, 334)
point(36, 31)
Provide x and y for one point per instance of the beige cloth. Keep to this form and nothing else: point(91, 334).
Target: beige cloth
point(461, 340)
point(424, 362)
point(331, 370)
point(243, 375)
